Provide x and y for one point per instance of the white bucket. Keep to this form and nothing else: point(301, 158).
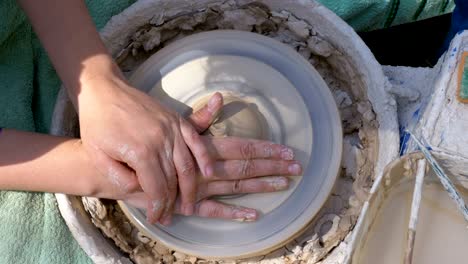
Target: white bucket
point(440, 119)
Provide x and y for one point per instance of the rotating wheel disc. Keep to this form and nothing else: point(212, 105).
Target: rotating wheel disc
point(271, 93)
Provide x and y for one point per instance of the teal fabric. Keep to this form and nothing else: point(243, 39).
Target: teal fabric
point(365, 15)
point(31, 228)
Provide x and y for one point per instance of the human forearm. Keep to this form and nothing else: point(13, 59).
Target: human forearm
point(72, 42)
point(35, 162)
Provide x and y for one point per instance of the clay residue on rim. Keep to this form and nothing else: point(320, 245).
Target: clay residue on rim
point(338, 216)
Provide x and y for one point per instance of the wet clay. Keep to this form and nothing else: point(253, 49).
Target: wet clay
point(338, 216)
point(441, 233)
point(238, 118)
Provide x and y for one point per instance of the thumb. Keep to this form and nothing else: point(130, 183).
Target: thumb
point(204, 117)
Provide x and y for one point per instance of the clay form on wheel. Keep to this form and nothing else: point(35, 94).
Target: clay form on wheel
point(238, 118)
point(270, 93)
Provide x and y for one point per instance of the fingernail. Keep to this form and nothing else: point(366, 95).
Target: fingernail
point(153, 209)
point(278, 183)
point(286, 153)
point(187, 209)
point(150, 220)
point(246, 214)
point(294, 169)
point(166, 221)
point(213, 103)
point(155, 206)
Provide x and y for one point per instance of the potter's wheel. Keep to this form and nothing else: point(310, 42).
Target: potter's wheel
point(271, 93)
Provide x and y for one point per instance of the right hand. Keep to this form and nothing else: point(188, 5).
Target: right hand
point(129, 135)
point(241, 166)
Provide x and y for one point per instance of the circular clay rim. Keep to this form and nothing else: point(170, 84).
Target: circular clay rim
point(286, 120)
point(326, 124)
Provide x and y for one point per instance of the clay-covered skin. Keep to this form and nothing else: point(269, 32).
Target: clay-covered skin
point(238, 118)
point(338, 216)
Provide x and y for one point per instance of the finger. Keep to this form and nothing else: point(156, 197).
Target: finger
point(213, 209)
point(186, 172)
point(257, 185)
point(207, 209)
point(204, 117)
point(242, 169)
point(167, 165)
point(197, 147)
point(153, 182)
point(243, 149)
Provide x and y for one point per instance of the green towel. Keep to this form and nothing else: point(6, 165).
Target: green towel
point(365, 15)
point(31, 228)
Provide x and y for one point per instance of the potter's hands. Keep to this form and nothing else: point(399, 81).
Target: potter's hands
point(239, 167)
point(120, 126)
point(127, 133)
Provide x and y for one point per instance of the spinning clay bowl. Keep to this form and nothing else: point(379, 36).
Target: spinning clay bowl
point(284, 94)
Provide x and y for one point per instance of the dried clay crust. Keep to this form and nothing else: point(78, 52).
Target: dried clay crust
point(320, 242)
